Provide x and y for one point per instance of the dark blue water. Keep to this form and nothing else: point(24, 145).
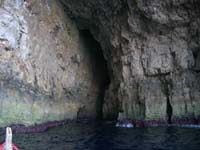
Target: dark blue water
point(87, 136)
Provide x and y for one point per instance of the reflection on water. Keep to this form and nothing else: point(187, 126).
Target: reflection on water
point(85, 136)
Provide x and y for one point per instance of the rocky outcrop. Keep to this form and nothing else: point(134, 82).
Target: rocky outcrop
point(152, 48)
point(46, 73)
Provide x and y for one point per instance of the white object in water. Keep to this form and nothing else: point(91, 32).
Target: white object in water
point(124, 125)
point(129, 125)
point(8, 143)
point(117, 124)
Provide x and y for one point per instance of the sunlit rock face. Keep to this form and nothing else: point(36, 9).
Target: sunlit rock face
point(153, 52)
point(46, 73)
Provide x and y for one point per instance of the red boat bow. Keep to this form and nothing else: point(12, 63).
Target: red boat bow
point(13, 146)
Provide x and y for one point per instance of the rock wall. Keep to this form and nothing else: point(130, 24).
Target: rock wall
point(152, 48)
point(46, 73)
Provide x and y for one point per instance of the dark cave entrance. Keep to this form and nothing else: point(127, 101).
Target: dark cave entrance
point(99, 68)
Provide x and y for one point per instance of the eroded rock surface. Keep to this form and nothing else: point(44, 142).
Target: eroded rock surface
point(45, 70)
point(152, 48)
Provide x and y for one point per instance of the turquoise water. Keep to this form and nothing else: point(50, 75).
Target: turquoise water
point(100, 136)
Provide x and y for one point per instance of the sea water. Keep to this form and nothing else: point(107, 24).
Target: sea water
point(104, 136)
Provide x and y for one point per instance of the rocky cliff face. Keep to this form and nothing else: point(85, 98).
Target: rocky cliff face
point(46, 69)
point(152, 48)
point(51, 68)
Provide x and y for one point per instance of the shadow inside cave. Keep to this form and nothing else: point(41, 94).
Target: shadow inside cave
point(99, 68)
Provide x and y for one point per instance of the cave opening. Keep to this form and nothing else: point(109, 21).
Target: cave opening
point(99, 68)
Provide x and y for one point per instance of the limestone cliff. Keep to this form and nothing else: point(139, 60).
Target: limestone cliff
point(153, 51)
point(46, 73)
point(49, 65)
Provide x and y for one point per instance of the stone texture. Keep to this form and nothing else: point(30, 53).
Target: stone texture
point(152, 48)
point(45, 70)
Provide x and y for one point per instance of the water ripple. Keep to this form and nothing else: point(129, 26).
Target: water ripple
point(85, 136)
